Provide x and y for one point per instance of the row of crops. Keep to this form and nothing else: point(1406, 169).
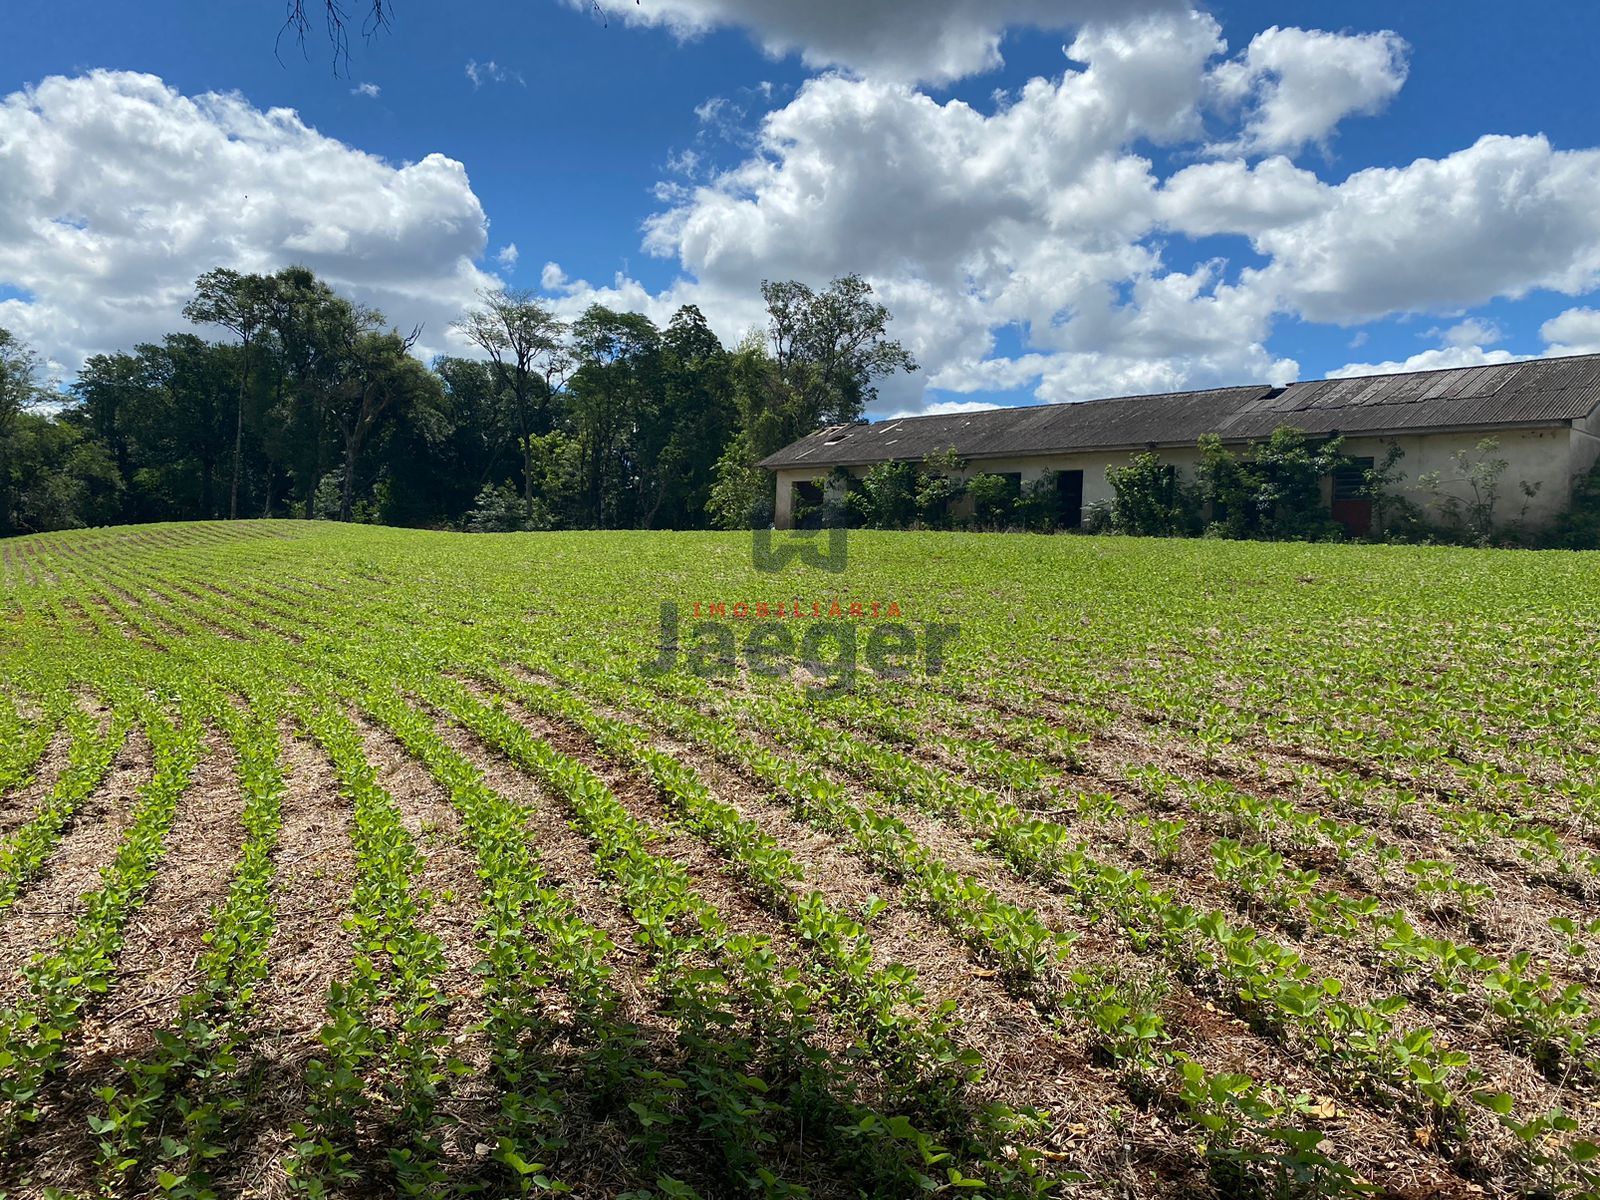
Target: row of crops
point(1204, 868)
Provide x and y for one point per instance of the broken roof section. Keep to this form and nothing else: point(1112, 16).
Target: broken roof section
point(1537, 392)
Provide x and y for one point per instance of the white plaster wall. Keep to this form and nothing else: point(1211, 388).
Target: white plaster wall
point(782, 509)
point(1537, 456)
point(1549, 457)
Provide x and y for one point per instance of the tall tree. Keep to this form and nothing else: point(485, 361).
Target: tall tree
point(683, 433)
point(242, 304)
point(165, 414)
point(478, 418)
point(60, 477)
point(525, 342)
point(830, 348)
point(19, 391)
point(112, 389)
point(315, 329)
point(614, 390)
point(823, 356)
point(380, 377)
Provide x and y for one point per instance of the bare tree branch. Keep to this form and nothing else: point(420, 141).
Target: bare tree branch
point(336, 20)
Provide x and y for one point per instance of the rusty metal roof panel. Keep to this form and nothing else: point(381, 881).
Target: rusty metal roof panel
point(1500, 395)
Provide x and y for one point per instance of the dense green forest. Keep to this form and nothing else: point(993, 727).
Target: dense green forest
point(304, 403)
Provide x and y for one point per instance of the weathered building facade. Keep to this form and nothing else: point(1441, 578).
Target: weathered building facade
point(1544, 413)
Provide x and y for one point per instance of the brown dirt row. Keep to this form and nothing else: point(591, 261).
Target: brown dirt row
point(157, 965)
point(83, 623)
point(1193, 880)
point(597, 1159)
point(1515, 919)
point(154, 970)
point(211, 625)
point(568, 860)
point(1461, 1022)
point(1370, 1139)
point(1418, 829)
point(27, 706)
point(449, 877)
point(1436, 780)
point(20, 805)
point(36, 560)
point(955, 843)
point(209, 593)
point(309, 950)
point(119, 623)
point(315, 869)
point(1137, 724)
point(19, 560)
point(51, 904)
point(153, 608)
point(1092, 1125)
point(598, 1142)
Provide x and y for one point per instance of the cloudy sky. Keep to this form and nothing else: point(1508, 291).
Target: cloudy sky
point(1059, 199)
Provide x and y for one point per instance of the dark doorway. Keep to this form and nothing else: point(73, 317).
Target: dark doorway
point(805, 506)
point(1069, 499)
point(1352, 507)
point(851, 516)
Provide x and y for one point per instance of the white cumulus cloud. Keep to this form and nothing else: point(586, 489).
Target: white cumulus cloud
point(1436, 359)
point(1035, 213)
point(116, 192)
point(1474, 331)
point(1575, 331)
point(945, 408)
point(1296, 85)
point(1464, 344)
point(1043, 212)
point(1502, 217)
point(906, 40)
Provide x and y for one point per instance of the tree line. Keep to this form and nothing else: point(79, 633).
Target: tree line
point(305, 403)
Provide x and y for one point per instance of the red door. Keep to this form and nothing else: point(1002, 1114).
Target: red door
point(1352, 505)
point(1355, 515)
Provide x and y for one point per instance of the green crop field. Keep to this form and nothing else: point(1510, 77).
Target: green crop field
point(341, 860)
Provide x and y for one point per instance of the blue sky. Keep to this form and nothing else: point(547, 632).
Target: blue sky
point(1056, 243)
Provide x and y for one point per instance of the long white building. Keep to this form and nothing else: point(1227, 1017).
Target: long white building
point(1545, 414)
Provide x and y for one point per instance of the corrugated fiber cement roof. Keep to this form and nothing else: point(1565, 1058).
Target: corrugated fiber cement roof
point(1536, 392)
